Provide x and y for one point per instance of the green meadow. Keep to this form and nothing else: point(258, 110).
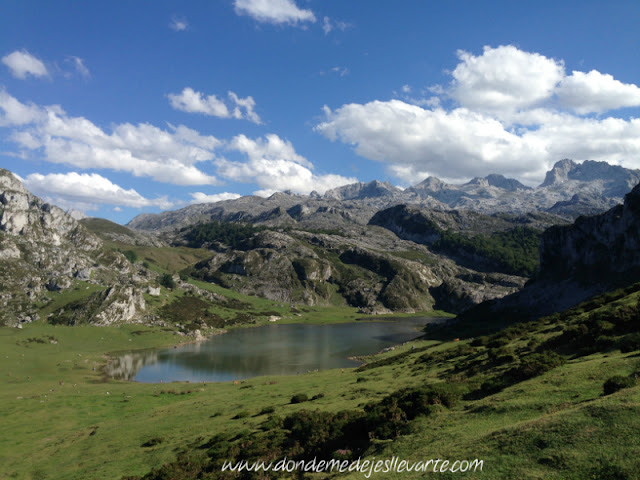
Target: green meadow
point(528, 400)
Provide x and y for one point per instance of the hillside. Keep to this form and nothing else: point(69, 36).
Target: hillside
point(593, 255)
point(556, 398)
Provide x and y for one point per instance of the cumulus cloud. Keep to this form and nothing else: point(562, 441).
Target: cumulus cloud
point(504, 78)
point(596, 92)
point(14, 113)
point(517, 113)
point(143, 150)
point(274, 11)
point(178, 24)
point(199, 197)
point(85, 191)
point(274, 165)
point(191, 101)
point(21, 64)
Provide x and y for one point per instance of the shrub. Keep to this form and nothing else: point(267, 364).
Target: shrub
point(616, 383)
point(536, 364)
point(153, 441)
point(629, 343)
point(267, 410)
point(166, 280)
point(272, 422)
point(131, 256)
point(480, 341)
point(300, 398)
point(241, 414)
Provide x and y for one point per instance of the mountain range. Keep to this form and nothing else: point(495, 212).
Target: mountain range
point(372, 246)
point(569, 190)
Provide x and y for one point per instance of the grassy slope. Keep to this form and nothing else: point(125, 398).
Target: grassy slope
point(556, 425)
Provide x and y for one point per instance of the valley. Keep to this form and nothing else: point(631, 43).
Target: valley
point(534, 372)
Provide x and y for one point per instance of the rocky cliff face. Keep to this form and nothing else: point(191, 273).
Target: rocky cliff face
point(42, 250)
point(591, 256)
point(372, 269)
point(602, 248)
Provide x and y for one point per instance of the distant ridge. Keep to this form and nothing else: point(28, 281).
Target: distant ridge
point(570, 189)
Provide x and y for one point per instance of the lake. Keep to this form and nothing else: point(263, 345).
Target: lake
point(267, 350)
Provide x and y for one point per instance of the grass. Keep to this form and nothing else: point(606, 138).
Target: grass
point(163, 259)
point(79, 291)
point(66, 420)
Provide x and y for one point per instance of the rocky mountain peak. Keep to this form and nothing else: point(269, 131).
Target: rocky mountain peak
point(509, 184)
point(601, 178)
point(9, 182)
point(430, 183)
point(559, 173)
point(361, 190)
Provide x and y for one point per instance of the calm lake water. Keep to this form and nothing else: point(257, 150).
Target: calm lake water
point(267, 350)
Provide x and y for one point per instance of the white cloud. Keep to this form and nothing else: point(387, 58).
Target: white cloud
point(328, 25)
point(248, 104)
point(510, 120)
point(143, 150)
point(418, 141)
point(199, 197)
point(195, 102)
point(191, 101)
point(178, 24)
point(274, 165)
point(342, 71)
point(22, 63)
point(504, 79)
point(80, 67)
point(73, 190)
point(15, 113)
point(274, 11)
point(596, 92)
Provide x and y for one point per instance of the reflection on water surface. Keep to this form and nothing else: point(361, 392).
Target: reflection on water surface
point(266, 350)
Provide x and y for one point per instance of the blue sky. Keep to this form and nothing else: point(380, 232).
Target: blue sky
point(119, 108)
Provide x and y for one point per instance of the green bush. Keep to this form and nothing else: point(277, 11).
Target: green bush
point(629, 343)
point(228, 233)
point(536, 364)
point(131, 256)
point(300, 398)
point(616, 383)
point(166, 280)
point(153, 441)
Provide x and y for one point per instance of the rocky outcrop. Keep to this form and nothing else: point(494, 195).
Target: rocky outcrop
point(362, 190)
point(595, 254)
point(368, 270)
point(120, 304)
point(603, 248)
point(43, 250)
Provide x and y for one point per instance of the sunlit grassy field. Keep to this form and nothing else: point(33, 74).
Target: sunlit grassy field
point(62, 418)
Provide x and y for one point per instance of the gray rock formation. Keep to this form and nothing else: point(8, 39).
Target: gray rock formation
point(570, 189)
point(595, 254)
point(43, 250)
